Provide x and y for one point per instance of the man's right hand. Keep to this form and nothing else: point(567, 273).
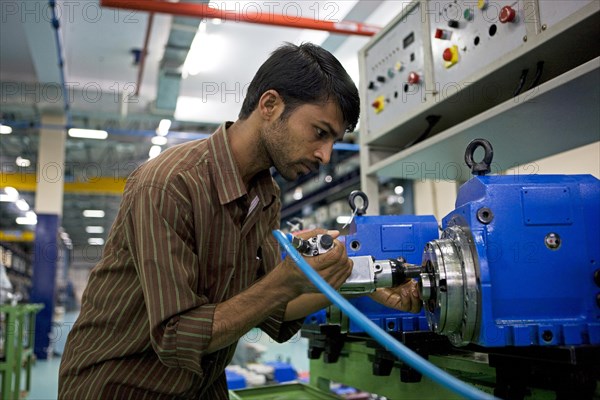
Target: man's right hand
point(333, 266)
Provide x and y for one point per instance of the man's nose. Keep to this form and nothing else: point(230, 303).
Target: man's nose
point(323, 153)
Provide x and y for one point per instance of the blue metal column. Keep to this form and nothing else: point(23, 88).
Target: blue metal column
point(48, 207)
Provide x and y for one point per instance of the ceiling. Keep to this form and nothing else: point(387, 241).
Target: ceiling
point(106, 87)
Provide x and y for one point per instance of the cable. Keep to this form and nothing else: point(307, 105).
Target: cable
point(521, 82)
point(387, 341)
point(432, 120)
point(538, 75)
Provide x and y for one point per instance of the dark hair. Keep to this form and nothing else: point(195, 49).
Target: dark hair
point(304, 74)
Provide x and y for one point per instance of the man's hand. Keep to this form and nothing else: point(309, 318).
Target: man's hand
point(333, 266)
point(404, 297)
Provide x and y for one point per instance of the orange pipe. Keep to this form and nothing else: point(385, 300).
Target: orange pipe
point(144, 54)
point(265, 18)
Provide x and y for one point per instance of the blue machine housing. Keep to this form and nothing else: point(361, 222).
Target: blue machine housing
point(388, 237)
point(537, 257)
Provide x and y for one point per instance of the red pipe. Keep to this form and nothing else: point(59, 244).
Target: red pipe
point(144, 53)
point(266, 18)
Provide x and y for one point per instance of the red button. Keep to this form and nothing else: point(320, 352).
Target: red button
point(507, 14)
point(413, 78)
point(376, 104)
point(439, 33)
point(447, 55)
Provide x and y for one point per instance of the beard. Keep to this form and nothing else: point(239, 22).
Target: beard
point(276, 141)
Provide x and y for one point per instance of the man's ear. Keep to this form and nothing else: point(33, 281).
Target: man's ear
point(270, 105)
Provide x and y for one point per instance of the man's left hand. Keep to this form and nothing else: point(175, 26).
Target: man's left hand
point(404, 297)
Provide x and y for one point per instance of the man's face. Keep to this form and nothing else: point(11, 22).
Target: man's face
point(305, 140)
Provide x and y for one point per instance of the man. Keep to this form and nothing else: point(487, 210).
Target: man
point(190, 264)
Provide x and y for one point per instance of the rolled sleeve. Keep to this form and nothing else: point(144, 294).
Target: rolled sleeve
point(162, 242)
point(278, 329)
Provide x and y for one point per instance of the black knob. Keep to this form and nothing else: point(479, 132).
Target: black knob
point(326, 241)
point(381, 79)
point(371, 85)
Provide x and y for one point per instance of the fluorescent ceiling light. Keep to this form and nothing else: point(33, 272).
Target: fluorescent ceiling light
point(154, 151)
point(22, 162)
point(5, 130)
point(94, 229)
point(93, 213)
point(207, 52)
point(163, 127)
point(95, 241)
point(29, 219)
point(22, 205)
point(159, 140)
point(87, 133)
point(26, 221)
point(12, 194)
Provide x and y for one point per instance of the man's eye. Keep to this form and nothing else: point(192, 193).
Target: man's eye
point(321, 133)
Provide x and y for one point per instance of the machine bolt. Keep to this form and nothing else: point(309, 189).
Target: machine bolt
point(485, 215)
point(544, 27)
point(525, 38)
point(547, 336)
point(552, 241)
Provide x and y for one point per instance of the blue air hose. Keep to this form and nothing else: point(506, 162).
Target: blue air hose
point(398, 349)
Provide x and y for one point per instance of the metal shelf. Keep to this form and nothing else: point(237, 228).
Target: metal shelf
point(557, 116)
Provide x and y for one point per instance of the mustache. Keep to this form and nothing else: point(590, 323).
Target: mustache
point(313, 166)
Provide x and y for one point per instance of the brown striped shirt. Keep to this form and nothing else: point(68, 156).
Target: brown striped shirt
point(188, 236)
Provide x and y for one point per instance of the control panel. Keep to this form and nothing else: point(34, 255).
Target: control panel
point(442, 62)
point(395, 70)
point(468, 36)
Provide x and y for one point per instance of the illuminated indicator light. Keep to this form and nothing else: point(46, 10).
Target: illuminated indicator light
point(390, 73)
point(468, 14)
point(450, 56)
point(482, 4)
point(379, 104)
point(414, 78)
point(507, 14)
point(398, 66)
point(443, 34)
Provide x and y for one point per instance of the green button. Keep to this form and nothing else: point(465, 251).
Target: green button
point(468, 14)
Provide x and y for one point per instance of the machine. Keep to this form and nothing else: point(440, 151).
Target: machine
point(517, 261)
point(513, 277)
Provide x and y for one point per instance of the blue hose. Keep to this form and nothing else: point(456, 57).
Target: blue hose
point(398, 349)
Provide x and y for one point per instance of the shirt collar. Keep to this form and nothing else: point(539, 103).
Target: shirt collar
point(227, 177)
